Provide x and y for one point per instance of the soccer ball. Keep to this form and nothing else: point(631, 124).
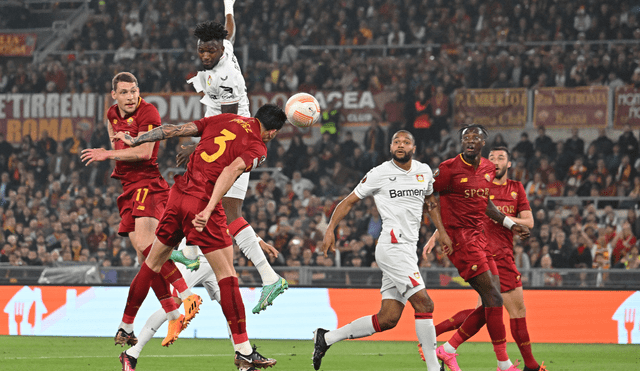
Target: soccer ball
point(302, 110)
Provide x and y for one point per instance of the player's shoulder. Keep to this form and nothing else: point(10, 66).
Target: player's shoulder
point(421, 167)
point(515, 185)
point(228, 45)
point(111, 112)
point(145, 108)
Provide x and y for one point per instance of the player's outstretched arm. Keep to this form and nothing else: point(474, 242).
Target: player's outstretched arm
point(428, 247)
point(495, 214)
point(225, 180)
point(229, 21)
point(140, 153)
point(343, 208)
point(433, 206)
point(165, 131)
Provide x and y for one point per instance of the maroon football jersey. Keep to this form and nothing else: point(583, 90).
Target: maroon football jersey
point(464, 192)
point(145, 118)
point(511, 199)
point(224, 138)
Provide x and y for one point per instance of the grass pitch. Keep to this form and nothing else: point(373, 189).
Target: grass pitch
point(19, 353)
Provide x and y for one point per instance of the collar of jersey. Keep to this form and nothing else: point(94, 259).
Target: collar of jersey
point(401, 169)
point(463, 160)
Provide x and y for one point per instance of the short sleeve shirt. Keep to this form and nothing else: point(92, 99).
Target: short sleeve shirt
point(511, 199)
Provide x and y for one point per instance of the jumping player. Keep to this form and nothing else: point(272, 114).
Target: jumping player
point(229, 145)
point(144, 195)
point(401, 189)
point(464, 185)
point(225, 92)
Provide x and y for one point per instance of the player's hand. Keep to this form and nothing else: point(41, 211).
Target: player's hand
point(126, 138)
point(200, 220)
point(428, 247)
point(268, 249)
point(182, 158)
point(94, 154)
point(446, 243)
point(329, 242)
point(521, 230)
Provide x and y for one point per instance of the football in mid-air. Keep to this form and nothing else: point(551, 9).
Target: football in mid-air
point(302, 110)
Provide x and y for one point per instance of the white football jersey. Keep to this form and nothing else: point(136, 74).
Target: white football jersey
point(399, 196)
point(222, 85)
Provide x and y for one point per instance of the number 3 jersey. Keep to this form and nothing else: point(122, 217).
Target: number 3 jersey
point(222, 85)
point(399, 196)
point(224, 138)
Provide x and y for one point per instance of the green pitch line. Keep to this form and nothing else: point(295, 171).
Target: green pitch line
point(19, 353)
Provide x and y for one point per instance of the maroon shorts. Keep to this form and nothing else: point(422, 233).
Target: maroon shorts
point(176, 223)
point(469, 252)
point(145, 198)
point(510, 277)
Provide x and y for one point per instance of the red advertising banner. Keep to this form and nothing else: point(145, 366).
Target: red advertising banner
point(17, 44)
point(627, 107)
point(493, 108)
point(571, 107)
point(58, 114)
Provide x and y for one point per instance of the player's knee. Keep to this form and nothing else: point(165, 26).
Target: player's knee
point(388, 322)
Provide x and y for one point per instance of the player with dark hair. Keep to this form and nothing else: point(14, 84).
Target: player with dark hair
point(229, 145)
point(145, 193)
point(464, 184)
point(509, 197)
point(225, 92)
point(401, 189)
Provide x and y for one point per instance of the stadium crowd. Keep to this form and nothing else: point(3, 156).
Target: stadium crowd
point(54, 209)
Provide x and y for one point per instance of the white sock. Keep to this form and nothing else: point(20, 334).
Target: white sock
point(448, 348)
point(426, 332)
point(150, 327)
point(248, 243)
point(174, 314)
point(244, 348)
point(359, 328)
point(504, 365)
point(128, 327)
point(228, 6)
point(185, 294)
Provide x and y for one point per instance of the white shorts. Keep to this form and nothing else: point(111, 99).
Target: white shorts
point(400, 273)
point(239, 188)
point(203, 275)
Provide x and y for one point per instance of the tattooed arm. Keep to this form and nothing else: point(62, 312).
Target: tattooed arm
point(165, 131)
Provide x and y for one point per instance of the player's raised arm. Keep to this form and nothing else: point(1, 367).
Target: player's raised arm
point(343, 208)
point(226, 179)
point(165, 131)
point(229, 21)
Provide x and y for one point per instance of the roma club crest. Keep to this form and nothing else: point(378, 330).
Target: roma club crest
point(514, 195)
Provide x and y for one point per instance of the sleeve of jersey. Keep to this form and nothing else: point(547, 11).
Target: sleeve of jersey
point(523, 202)
point(441, 178)
point(253, 155)
point(368, 185)
point(149, 119)
point(202, 124)
point(429, 177)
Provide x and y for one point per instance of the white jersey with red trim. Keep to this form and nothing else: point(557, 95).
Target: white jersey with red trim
point(399, 196)
point(222, 85)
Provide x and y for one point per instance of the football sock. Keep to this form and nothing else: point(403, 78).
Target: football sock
point(448, 348)
point(427, 337)
point(453, 323)
point(150, 327)
point(170, 272)
point(497, 332)
point(469, 327)
point(138, 291)
point(233, 309)
point(244, 348)
point(359, 328)
point(504, 365)
point(247, 240)
point(521, 336)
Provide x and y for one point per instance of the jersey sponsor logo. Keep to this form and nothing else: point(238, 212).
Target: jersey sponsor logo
point(480, 192)
point(514, 195)
point(227, 89)
point(393, 193)
point(464, 180)
point(420, 177)
point(507, 209)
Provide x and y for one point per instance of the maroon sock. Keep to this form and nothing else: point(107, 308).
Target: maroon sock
point(171, 273)
point(138, 292)
point(233, 309)
point(162, 290)
point(454, 322)
point(497, 332)
point(521, 336)
point(469, 327)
